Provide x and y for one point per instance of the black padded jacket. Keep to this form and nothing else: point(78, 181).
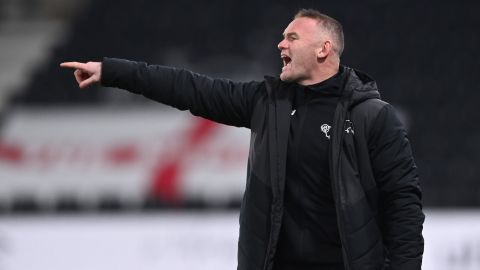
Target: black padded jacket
point(374, 177)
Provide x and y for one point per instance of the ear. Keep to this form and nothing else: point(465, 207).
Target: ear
point(324, 49)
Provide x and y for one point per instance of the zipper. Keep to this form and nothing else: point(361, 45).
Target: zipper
point(335, 170)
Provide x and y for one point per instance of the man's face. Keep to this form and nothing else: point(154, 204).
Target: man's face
point(298, 50)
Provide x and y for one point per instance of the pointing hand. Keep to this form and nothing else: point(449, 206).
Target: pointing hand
point(86, 74)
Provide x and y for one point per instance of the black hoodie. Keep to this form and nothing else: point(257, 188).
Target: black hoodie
point(309, 237)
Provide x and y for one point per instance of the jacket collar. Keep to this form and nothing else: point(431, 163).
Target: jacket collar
point(358, 87)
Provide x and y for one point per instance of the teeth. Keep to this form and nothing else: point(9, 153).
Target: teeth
point(286, 60)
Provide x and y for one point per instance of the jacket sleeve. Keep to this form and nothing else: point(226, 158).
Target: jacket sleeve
point(401, 197)
point(219, 100)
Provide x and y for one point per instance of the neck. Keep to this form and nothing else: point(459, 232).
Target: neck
point(325, 70)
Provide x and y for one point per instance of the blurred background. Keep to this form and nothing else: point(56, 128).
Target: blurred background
point(104, 179)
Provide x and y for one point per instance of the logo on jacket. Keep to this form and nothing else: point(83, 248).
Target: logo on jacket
point(349, 127)
point(325, 129)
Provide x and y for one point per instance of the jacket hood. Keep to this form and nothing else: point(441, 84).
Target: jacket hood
point(359, 86)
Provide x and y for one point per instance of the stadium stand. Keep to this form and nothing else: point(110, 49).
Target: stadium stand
point(422, 58)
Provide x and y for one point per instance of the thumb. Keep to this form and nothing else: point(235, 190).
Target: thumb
point(86, 83)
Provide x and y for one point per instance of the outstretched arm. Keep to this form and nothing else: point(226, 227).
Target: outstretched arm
point(219, 100)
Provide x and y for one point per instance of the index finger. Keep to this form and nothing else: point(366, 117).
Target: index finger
point(76, 65)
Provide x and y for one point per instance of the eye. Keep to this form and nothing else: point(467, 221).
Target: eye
point(291, 38)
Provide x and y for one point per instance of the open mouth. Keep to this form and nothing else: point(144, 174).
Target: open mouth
point(286, 60)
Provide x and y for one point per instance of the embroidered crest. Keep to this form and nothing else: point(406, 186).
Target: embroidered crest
point(349, 127)
point(325, 129)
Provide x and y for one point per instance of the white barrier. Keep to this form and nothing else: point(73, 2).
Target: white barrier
point(175, 241)
point(187, 240)
point(452, 240)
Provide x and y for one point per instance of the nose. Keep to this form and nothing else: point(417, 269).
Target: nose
point(282, 45)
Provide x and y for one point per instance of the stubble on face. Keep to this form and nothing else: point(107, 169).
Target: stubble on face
point(301, 38)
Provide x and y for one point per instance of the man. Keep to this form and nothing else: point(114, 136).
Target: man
point(331, 181)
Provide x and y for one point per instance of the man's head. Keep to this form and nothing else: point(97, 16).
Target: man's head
point(312, 44)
